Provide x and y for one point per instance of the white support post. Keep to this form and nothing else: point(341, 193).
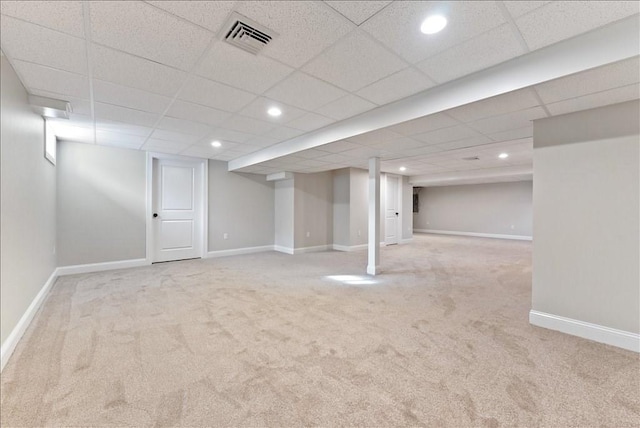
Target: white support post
point(373, 266)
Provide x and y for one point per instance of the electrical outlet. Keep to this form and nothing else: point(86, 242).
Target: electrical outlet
point(225, 236)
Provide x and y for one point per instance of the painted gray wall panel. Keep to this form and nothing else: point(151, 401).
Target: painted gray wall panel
point(407, 209)
point(313, 208)
point(586, 251)
point(240, 205)
point(101, 204)
point(359, 206)
point(284, 214)
point(341, 212)
point(495, 208)
point(27, 204)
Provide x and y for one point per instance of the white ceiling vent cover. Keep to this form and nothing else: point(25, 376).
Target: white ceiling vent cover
point(246, 34)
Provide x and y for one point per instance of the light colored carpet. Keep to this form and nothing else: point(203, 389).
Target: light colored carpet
point(440, 339)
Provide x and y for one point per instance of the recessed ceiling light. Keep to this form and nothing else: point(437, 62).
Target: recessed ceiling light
point(503, 155)
point(274, 111)
point(216, 143)
point(433, 24)
point(403, 168)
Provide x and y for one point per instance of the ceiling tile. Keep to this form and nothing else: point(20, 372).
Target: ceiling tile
point(357, 11)
point(560, 20)
point(129, 70)
point(261, 142)
point(445, 135)
point(303, 91)
point(247, 125)
point(154, 145)
point(345, 107)
point(122, 128)
point(304, 28)
point(310, 121)
point(184, 126)
point(257, 109)
point(491, 48)
point(512, 101)
point(311, 153)
point(339, 146)
point(513, 134)
point(214, 94)
point(176, 137)
point(363, 153)
point(354, 62)
point(36, 76)
point(599, 99)
point(126, 115)
point(78, 105)
point(610, 76)
point(229, 135)
point(233, 66)
point(399, 145)
point(112, 93)
point(402, 84)
point(65, 16)
point(398, 25)
point(143, 30)
point(515, 120)
point(196, 112)
point(374, 137)
point(119, 140)
point(200, 152)
point(283, 133)
point(467, 142)
point(423, 124)
point(208, 14)
point(33, 43)
point(334, 157)
point(518, 7)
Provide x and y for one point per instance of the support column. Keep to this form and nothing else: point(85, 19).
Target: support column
point(373, 266)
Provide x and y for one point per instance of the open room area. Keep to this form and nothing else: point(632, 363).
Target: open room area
point(441, 338)
point(372, 213)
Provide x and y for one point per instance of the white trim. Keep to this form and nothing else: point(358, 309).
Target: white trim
point(239, 251)
point(16, 334)
point(480, 235)
point(597, 333)
point(100, 267)
point(312, 249)
point(339, 247)
point(281, 249)
point(373, 270)
point(204, 163)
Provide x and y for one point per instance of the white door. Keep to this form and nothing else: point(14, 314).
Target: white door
point(177, 209)
point(392, 210)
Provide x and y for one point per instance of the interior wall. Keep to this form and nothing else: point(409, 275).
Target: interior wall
point(407, 209)
point(359, 207)
point(27, 203)
point(284, 214)
point(586, 252)
point(494, 208)
point(341, 204)
point(100, 204)
point(313, 209)
point(240, 205)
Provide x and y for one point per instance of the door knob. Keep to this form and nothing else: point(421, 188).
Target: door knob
point(396, 213)
point(155, 215)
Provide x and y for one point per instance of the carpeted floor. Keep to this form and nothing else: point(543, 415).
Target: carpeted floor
point(440, 339)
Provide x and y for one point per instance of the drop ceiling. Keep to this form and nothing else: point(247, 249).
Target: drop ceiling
point(157, 76)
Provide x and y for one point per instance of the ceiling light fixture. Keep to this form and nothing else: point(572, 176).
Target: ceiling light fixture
point(403, 168)
point(433, 24)
point(274, 111)
point(503, 155)
point(216, 143)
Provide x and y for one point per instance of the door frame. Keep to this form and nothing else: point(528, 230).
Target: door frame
point(204, 229)
point(399, 225)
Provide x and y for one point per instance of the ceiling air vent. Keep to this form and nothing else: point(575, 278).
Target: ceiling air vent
point(246, 34)
point(472, 158)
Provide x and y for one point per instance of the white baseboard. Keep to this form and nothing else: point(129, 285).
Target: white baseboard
point(16, 334)
point(338, 247)
point(239, 251)
point(480, 235)
point(281, 249)
point(314, 249)
point(597, 333)
point(99, 267)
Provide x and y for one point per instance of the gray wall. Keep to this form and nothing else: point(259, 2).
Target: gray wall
point(496, 208)
point(341, 204)
point(284, 214)
point(359, 209)
point(241, 205)
point(313, 209)
point(101, 204)
point(407, 209)
point(27, 204)
point(586, 255)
